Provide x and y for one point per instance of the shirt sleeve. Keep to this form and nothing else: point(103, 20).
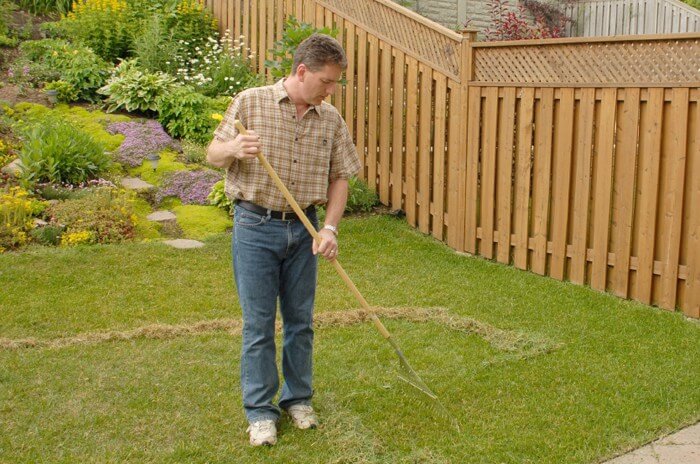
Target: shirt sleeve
point(344, 161)
point(227, 130)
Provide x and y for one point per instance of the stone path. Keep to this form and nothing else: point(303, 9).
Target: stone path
point(682, 447)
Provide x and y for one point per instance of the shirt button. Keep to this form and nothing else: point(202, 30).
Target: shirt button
point(292, 183)
point(296, 139)
point(295, 161)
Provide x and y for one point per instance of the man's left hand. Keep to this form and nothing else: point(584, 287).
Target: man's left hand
point(328, 247)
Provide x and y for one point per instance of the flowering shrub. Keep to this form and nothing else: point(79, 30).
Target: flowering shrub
point(217, 67)
point(15, 218)
point(103, 25)
point(140, 139)
point(192, 187)
point(191, 24)
point(58, 152)
point(507, 24)
point(105, 215)
point(133, 90)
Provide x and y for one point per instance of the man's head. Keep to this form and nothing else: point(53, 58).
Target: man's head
point(318, 66)
point(319, 50)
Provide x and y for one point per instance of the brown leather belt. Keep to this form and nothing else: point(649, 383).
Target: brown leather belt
point(283, 215)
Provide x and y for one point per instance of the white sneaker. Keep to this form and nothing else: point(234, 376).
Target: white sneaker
point(303, 416)
point(263, 432)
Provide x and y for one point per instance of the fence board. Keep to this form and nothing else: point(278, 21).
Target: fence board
point(649, 166)
point(372, 121)
point(361, 106)
point(385, 125)
point(583, 165)
point(411, 138)
point(521, 203)
point(349, 112)
point(397, 151)
point(541, 179)
point(623, 201)
point(472, 174)
point(425, 127)
point(488, 168)
point(563, 141)
point(439, 156)
point(692, 283)
point(505, 173)
point(673, 197)
point(603, 189)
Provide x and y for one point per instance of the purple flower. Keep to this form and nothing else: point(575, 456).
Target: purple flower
point(140, 139)
point(25, 70)
point(10, 73)
point(192, 187)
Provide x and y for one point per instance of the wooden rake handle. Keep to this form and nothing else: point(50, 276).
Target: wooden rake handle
point(300, 213)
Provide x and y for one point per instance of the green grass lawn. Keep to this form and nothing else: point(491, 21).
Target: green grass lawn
point(611, 375)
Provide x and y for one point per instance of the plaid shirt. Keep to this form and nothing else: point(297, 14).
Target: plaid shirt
point(306, 154)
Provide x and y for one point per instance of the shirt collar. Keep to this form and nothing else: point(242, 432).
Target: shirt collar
point(280, 93)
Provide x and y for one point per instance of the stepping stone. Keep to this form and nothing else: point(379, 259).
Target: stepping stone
point(161, 216)
point(184, 244)
point(14, 168)
point(134, 183)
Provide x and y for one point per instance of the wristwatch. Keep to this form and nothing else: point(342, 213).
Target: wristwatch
point(333, 229)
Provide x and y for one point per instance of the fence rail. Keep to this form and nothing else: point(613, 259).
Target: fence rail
point(564, 157)
point(623, 17)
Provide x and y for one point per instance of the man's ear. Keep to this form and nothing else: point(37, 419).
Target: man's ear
point(301, 71)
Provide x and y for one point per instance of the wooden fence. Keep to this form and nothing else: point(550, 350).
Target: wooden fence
point(592, 18)
point(573, 158)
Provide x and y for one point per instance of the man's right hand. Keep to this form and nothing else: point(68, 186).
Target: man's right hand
point(246, 146)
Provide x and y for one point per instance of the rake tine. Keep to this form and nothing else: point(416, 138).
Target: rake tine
point(416, 382)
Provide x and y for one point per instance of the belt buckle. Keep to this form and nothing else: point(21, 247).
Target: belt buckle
point(285, 214)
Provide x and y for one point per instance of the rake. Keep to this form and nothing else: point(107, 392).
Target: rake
point(409, 376)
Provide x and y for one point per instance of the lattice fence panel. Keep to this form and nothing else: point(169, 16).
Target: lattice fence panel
point(646, 62)
point(425, 41)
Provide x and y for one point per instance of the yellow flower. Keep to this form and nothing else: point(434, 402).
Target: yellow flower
point(217, 116)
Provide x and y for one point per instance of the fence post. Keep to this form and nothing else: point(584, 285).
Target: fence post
point(457, 153)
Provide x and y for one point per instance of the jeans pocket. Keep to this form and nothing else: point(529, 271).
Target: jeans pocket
point(247, 219)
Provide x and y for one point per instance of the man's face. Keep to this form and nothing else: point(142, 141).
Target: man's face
point(317, 85)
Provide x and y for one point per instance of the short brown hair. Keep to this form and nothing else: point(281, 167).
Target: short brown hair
point(317, 51)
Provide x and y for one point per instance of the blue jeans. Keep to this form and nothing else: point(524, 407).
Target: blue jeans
point(272, 259)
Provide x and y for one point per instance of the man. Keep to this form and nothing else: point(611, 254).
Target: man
point(274, 257)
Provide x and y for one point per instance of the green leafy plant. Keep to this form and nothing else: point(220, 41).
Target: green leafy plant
point(45, 6)
point(193, 152)
point(360, 197)
point(283, 51)
point(7, 38)
point(155, 49)
point(65, 91)
point(53, 59)
point(218, 197)
point(133, 90)
point(47, 235)
point(58, 152)
point(188, 114)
